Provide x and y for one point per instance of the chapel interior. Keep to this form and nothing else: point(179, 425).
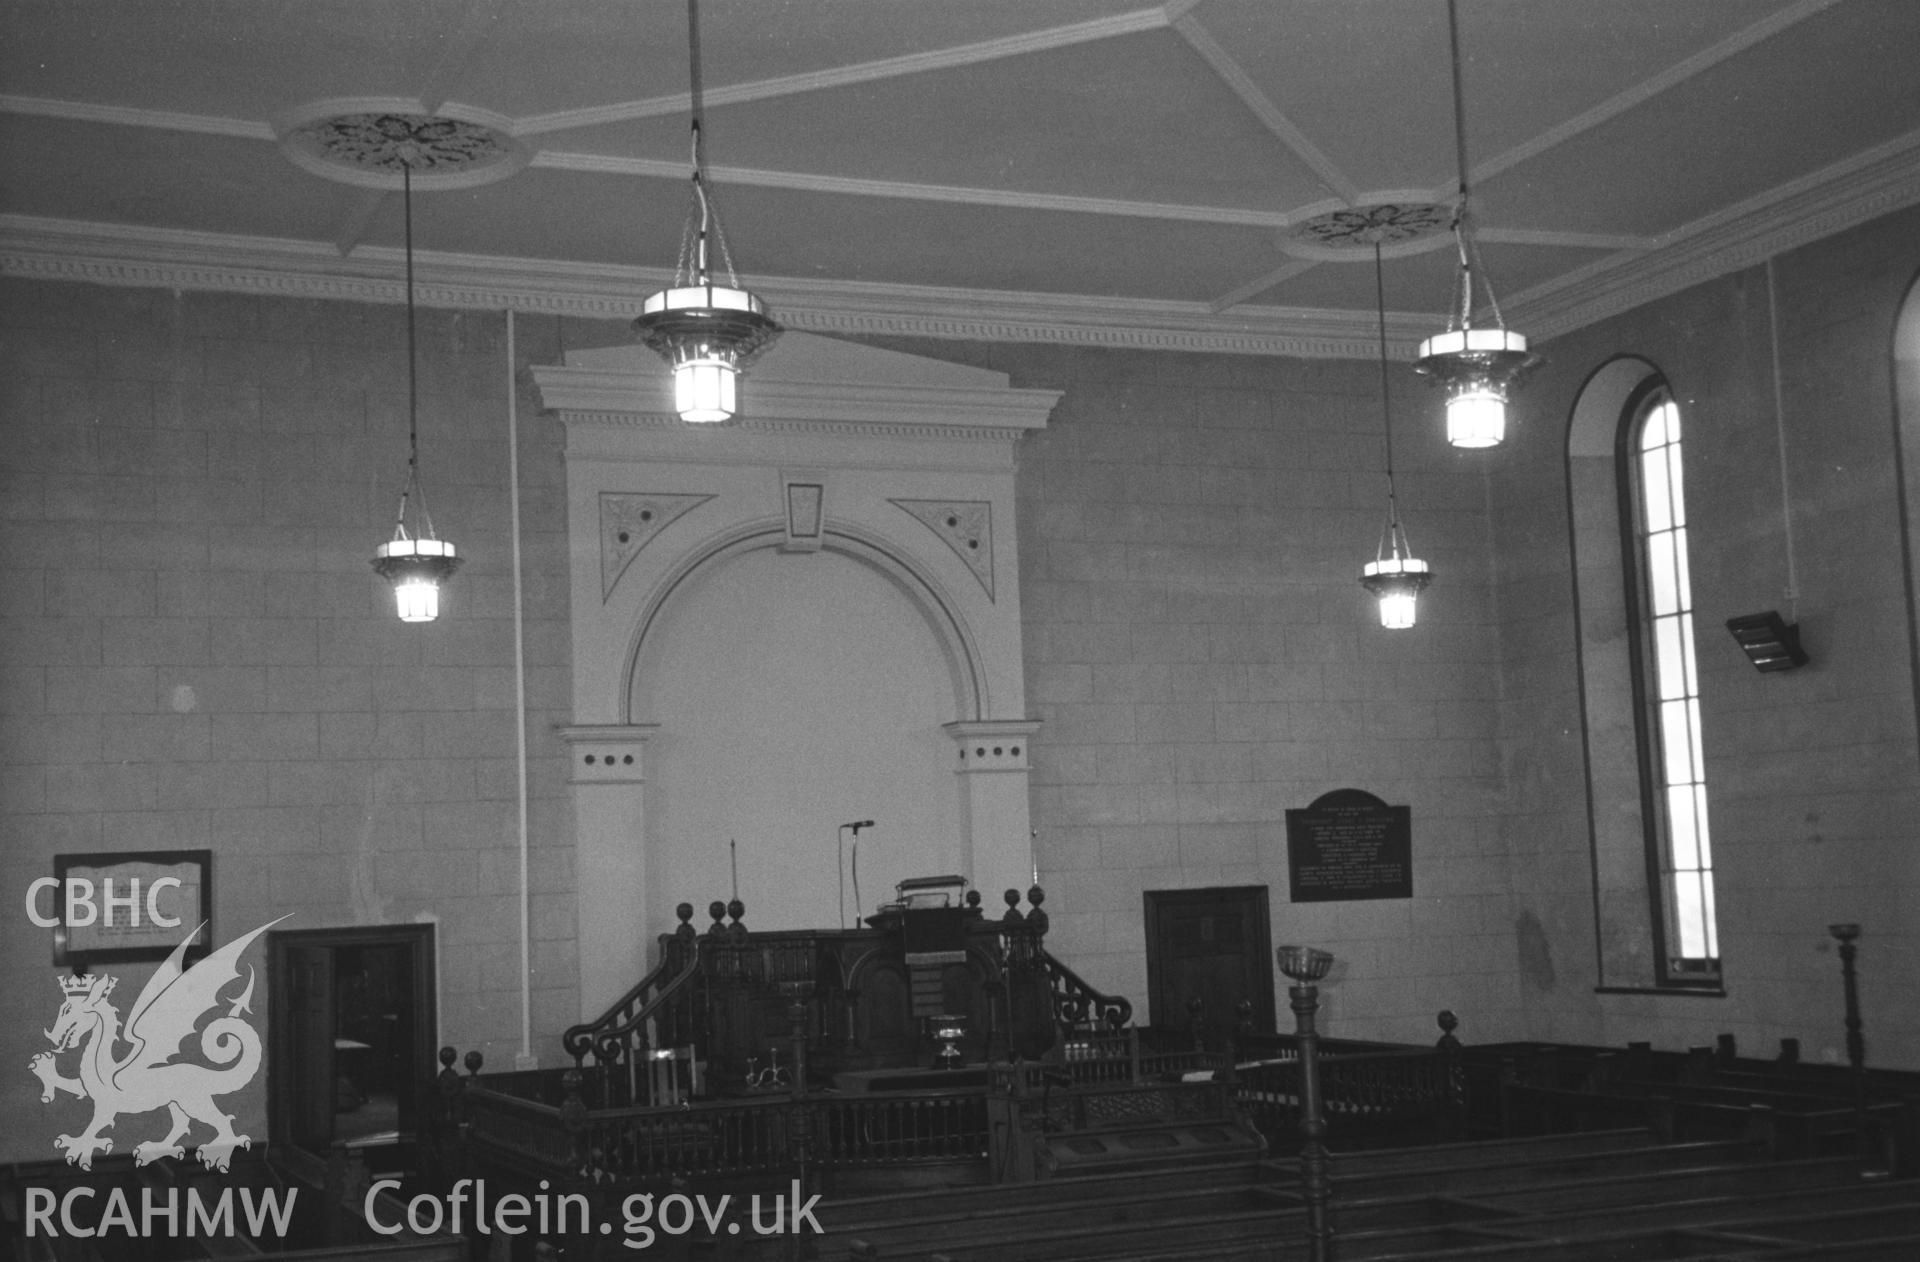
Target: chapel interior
point(1222, 536)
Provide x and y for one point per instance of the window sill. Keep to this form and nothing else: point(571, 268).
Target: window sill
point(1713, 990)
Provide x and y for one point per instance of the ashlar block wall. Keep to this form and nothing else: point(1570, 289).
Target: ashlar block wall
point(194, 652)
point(1203, 659)
point(1813, 775)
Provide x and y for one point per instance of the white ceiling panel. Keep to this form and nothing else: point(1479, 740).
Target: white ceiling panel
point(1130, 173)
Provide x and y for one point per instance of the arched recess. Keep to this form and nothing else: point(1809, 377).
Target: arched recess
point(1906, 412)
point(790, 693)
point(1622, 896)
point(938, 606)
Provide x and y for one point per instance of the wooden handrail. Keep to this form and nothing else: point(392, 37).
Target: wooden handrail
point(1075, 1000)
point(579, 1039)
point(606, 1044)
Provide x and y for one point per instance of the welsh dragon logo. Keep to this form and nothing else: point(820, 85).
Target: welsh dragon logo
point(149, 1076)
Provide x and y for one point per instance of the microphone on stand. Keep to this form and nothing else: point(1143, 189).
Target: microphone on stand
point(840, 863)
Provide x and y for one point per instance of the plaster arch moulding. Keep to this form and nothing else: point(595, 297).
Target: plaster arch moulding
point(833, 437)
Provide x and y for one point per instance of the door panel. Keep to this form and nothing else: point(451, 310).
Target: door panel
point(310, 1045)
point(1212, 945)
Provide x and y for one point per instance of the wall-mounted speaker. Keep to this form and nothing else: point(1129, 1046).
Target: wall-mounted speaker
point(1769, 643)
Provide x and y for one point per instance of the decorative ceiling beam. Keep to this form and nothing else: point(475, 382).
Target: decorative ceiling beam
point(455, 51)
point(1269, 114)
point(1647, 89)
point(843, 76)
point(948, 193)
point(1879, 181)
point(1261, 284)
point(1567, 240)
point(127, 116)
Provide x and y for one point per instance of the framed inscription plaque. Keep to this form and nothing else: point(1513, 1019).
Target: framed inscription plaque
point(1347, 845)
point(126, 906)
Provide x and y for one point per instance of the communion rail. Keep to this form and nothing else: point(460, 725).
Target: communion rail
point(518, 1122)
point(763, 1135)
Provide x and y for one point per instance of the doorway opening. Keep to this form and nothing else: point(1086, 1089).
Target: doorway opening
point(352, 1039)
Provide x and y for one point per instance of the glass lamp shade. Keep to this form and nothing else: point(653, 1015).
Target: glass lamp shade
point(707, 332)
point(1476, 415)
point(416, 568)
point(1397, 581)
point(1476, 367)
point(417, 599)
point(706, 390)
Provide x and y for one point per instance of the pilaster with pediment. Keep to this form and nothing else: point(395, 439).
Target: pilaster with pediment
point(747, 598)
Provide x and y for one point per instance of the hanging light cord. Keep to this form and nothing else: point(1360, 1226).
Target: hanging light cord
point(1395, 537)
point(1462, 236)
point(1780, 436)
point(693, 246)
point(413, 491)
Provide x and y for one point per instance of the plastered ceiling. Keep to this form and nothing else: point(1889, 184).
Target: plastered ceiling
point(1093, 171)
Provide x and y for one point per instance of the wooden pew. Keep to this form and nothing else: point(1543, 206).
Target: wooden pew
point(1526, 1147)
point(1744, 1179)
point(1723, 1210)
point(1818, 1104)
point(1380, 1196)
point(1463, 1175)
point(1504, 1211)
point(1791, 1126)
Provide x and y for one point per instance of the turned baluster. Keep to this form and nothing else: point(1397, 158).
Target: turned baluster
point(573, 1118)
point(1237, 1041)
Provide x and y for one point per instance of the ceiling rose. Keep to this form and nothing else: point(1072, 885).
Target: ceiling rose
point(371, 146)
point(1350, 233)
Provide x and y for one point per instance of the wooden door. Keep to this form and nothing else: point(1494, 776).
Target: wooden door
point(323, 1007)
point(1213, 945)
point(309, 1046)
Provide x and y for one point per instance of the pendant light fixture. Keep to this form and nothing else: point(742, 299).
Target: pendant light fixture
point(705, 330)
point(1475, 367)
point(1395, 576)
point(415, 561)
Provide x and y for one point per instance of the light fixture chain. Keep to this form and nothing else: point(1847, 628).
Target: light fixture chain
point(1386, 406)
point(413, 387)
point(726, 255)
point(694, 93)
point(683, 272)
point(1480, 269)
point(1470, 261)
point(1394, 536)
point(709, 213)
point(1462, 317)
point(1459, 102)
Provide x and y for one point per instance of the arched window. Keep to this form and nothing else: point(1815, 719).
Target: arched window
point(1667, 688)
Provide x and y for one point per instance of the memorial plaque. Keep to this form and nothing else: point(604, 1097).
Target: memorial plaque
point(1349, 845)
